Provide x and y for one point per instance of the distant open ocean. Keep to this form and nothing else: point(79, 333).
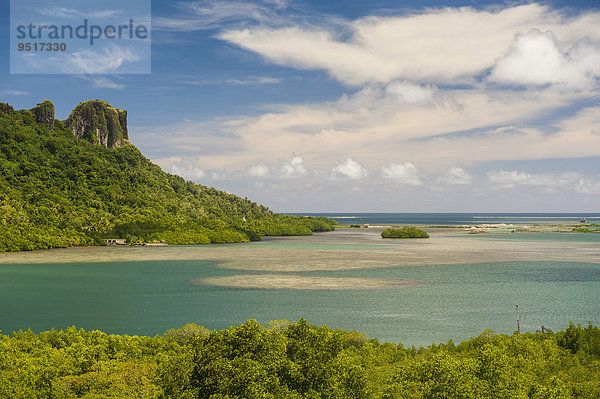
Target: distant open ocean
point(453, 219)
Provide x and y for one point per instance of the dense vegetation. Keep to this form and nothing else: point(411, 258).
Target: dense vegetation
point(297, 360)
point(406, 232)
point(58, 191)
point(585, 230)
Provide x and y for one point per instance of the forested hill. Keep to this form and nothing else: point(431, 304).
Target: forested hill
point(80, 181)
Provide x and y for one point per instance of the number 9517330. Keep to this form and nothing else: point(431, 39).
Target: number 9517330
point(42, 47)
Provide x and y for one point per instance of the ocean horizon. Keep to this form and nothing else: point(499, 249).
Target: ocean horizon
point(455, 219)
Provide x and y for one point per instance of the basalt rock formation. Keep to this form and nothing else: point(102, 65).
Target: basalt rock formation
point(98, 122)
point(44, 113)
point(6, 108)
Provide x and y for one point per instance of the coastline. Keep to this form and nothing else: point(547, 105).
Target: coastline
point(331, 251)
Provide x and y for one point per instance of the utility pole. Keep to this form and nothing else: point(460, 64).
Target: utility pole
point(518, 325)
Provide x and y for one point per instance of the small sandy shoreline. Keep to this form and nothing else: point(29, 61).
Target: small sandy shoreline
point(343, 249)
point(304, 282)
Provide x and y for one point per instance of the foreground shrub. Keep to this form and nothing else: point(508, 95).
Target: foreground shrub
point(297, 360)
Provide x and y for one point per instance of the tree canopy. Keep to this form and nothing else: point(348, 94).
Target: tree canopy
point(297, 360)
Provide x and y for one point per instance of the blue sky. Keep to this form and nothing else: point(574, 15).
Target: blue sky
point(350, 106)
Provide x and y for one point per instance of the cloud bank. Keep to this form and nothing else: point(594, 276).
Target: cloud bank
point(447, 45)
point(430, 96)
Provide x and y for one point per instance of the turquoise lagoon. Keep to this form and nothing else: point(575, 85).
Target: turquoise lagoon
point(452, 301)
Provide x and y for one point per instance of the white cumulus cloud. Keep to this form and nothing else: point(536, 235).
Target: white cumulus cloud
point(186, 168)
point(293, 168)
point(456, 175)
point(405, 173)
point(588, 186)
point(285, 170)
point(258, 170)
point(536, 59)
point(349, 169)
point(405, 92)
point(508, 179)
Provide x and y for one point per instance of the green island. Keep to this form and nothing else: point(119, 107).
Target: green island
point(585, 230)
point(406, 232)
point(297, 360)
point(80, 182)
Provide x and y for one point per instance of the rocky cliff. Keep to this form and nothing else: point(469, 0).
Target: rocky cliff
point(98, 122)
point(6, 108)
point(44, 113)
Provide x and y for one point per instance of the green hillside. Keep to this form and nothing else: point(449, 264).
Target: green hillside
point(57, 190)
